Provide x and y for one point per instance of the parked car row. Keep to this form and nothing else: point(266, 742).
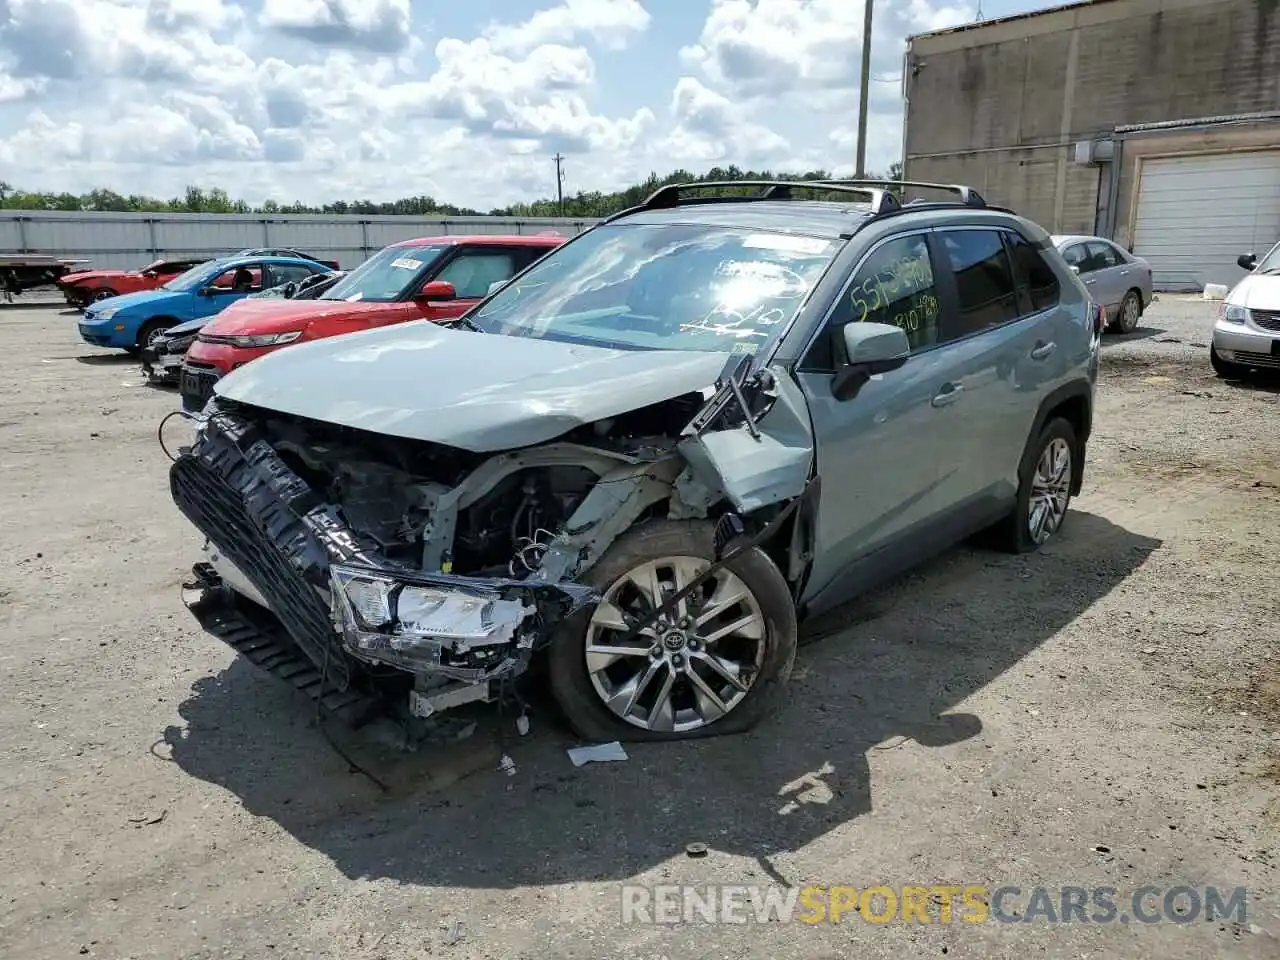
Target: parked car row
point(638, 457)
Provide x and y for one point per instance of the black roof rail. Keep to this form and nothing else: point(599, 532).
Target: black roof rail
point(968, 196)
point(672, 195)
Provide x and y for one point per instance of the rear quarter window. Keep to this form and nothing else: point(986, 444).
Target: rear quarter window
point(1036, 280)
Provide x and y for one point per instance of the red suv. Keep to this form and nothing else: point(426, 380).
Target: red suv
point(430, 278)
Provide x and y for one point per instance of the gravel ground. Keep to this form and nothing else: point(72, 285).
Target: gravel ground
point(1103, 713)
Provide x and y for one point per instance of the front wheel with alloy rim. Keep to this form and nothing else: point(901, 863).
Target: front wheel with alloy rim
point(1129, 314)
point(103, 294)
point(1045, 478)
point(718, 664)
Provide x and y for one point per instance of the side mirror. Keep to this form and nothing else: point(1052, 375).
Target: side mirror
point(1075, 268)
point(1247, 260)
point(437, 290)
point(206, 291)
point(872, 348)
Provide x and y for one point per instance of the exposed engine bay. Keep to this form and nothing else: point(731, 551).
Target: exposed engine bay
point(397, 564)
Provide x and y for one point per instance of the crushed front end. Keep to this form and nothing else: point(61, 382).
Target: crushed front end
point(411, 572)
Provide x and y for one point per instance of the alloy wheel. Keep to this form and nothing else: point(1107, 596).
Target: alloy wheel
point(1129, 313)
point(102, 295)
point(1050, 490)
point(685, 671)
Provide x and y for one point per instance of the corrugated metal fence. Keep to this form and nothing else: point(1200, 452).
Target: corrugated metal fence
point(129, 240)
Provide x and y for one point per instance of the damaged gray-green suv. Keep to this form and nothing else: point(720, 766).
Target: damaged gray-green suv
point(643, 460)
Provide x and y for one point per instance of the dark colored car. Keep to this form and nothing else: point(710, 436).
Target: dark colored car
point(286, 252)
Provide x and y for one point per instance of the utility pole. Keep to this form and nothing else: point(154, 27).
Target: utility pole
point(863, 90)
point(559, 184)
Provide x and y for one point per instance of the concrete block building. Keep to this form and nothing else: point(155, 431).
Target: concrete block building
point(1153, 122)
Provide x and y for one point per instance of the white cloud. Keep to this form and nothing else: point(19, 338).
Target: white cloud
point(610, 23)
point(754, 48)
point(337, 99)
point(382, 26)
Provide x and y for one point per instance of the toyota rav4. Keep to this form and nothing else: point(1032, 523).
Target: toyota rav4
point(645, 458)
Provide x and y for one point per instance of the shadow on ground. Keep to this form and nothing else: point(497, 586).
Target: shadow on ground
point(919, 647)
point(120, 359)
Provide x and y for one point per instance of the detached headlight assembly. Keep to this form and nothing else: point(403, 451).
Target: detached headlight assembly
point(262, 339)
point(400, 619)
point(1234, 313)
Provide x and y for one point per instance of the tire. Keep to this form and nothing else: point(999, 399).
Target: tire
point(1225, 368)
point(149, 331)
point(106, 293)
point(1014, 533)
point(766, 608)
point(1129, 314)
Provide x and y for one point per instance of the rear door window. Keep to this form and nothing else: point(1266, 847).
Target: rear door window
point(1037, 283)
point(1103, 255)
point(985, 291)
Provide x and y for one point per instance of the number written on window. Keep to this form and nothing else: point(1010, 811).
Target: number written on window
point(895, 285)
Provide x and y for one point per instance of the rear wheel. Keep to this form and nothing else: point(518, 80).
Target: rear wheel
point(719, 664)
point(1129, 314)
point(1044, 489)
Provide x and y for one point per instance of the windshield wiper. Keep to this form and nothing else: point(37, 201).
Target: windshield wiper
point(465, 322)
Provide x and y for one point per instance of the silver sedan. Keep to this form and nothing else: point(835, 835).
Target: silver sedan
point(1116, 278)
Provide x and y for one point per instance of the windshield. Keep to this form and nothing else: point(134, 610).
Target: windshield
point(662, 287)
point(191, 278)
point(385, 276)
point(1270, 263)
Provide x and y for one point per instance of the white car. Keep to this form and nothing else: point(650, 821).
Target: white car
point(1247, 334)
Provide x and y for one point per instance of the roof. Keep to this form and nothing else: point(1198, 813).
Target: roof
point(1030, 14)
point(816, 218)
point(486, 239)
point(1060, 238)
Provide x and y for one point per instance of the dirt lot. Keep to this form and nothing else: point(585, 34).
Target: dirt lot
point(1109, 717)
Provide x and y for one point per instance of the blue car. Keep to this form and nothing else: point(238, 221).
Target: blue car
point(132, 321)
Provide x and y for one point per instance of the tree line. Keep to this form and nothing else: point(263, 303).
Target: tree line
point(585, 204)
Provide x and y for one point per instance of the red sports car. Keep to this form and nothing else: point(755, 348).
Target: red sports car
point(89, 286)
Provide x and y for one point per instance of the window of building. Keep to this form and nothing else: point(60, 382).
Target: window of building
point(984, 280)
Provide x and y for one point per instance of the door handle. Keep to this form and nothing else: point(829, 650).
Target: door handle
point(1042, 350)
point(949, 393)
point(1091, 282)
point(1124, 273)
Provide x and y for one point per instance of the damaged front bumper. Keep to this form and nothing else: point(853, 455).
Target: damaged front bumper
point(350, 611)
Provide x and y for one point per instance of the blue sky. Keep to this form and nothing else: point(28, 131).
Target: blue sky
point(464, 101)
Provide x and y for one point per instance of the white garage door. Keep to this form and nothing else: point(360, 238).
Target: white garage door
point(1197, 214)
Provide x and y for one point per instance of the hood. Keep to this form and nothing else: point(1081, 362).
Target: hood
point(278, 315)
point(475, 391)
point(128, 300)
point(1257, 292)
point(83, 275)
